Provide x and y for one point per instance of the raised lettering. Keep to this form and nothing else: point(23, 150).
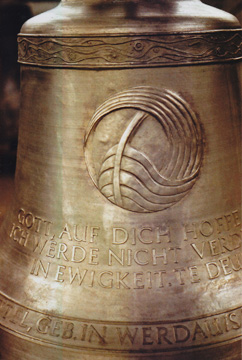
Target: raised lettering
point(225, 266)
point(61, 251)
point(66, 232)
point(140, 236)
point(77, 274)
point(109, 282)
point(137, 257)
point(111, 255)
point(163, 256)
point(162, 335)
point(100, 337)
point(138, 280)
point(234, 321)
point(198, 331)
point(68, 330)
point(60, 273)
point(194, 274)
point(92, 256)
point(78, 254)
point(120, 280)
point(147, 332)
point(181, 333)
point(43, 325)
point(213, 270)
point(122, 238)
point(37, 266)
point(127, 335)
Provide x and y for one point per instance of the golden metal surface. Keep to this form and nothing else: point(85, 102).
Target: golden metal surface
point(124, 238)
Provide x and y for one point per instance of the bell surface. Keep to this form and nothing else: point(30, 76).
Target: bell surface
point(124, 237)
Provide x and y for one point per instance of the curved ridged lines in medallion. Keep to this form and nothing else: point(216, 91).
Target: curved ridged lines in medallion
point(127, 176)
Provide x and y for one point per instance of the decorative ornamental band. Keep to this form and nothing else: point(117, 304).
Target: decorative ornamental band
point(131, 51)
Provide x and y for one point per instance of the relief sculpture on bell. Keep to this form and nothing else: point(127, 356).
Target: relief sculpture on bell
point(155, 153)
point(124, 237)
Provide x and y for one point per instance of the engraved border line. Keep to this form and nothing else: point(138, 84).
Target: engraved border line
point(163, 322)
point(120, 351)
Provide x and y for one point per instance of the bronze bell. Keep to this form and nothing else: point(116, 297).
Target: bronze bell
point(123, 240)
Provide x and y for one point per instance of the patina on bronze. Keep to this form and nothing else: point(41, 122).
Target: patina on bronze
point(124, 240)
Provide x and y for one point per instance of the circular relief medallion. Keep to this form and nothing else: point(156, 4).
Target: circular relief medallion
point(144, 149)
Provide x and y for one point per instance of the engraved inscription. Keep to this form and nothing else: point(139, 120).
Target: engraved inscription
point(224, 266)
point(219, 240)
point(139, 337)
point(213, 227)
point(108, 279)
point(146, 235)
point(152, 174)
point(148, 257)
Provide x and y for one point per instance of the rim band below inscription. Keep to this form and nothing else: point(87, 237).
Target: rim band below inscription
point(130, 51)
point(26, 328)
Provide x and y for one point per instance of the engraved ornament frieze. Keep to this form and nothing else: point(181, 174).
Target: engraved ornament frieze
point(135, 51)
